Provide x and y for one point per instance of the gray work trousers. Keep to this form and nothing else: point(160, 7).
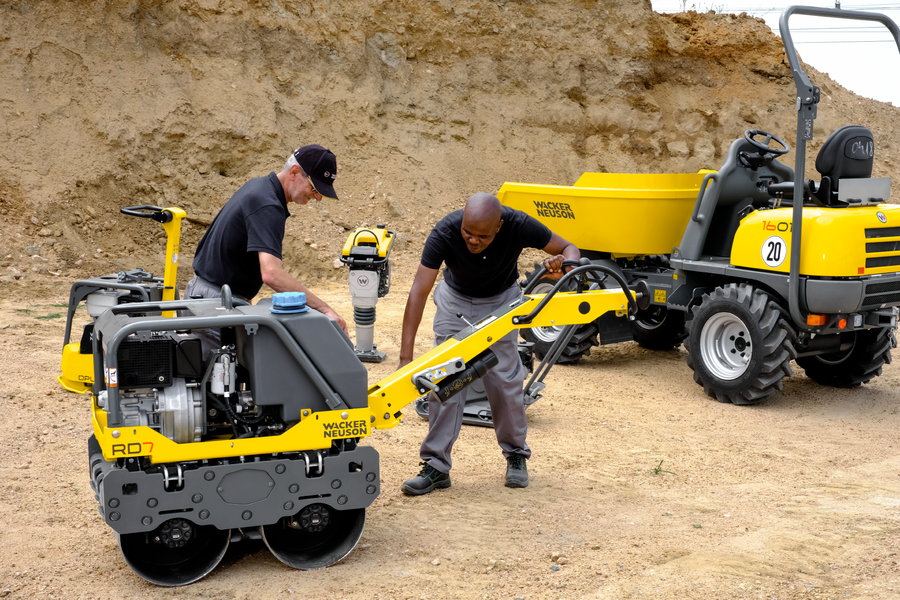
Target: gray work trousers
point(503, 384)
point(210, 339)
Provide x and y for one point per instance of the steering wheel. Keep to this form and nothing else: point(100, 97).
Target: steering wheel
point(764, 147)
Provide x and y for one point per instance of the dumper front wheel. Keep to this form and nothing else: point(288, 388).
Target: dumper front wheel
point(584, 338)
point(739, 346)
point(871, 349)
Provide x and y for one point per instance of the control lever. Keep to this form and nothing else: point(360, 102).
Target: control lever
point(459, 315)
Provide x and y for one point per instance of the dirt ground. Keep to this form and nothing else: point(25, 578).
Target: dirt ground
point(641, 486)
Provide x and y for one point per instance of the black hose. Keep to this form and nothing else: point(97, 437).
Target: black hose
point(226, 409)
point(578, 270)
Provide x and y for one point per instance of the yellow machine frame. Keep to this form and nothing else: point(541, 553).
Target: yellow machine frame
point(378, 237)
point(834, 240)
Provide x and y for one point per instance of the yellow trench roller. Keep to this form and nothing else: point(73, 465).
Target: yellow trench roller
point(260, 438)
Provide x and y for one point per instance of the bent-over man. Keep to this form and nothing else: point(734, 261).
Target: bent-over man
point(242, 247)
point(480, 248)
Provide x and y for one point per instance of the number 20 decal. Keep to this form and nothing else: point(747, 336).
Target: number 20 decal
point(774, 251)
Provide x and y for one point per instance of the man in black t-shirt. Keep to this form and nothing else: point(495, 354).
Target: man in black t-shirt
point(480, 248)
point(242, 246)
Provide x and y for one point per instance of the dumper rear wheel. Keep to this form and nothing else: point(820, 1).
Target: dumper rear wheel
point(315, 537)
point(658, 328)
point(584, 338)
point(739, 346)
point(860, 364)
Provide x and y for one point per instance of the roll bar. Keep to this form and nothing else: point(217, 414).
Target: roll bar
point(807, 103)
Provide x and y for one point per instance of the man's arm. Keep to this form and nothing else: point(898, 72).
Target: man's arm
point(274, 276)
point(558, 249)
point(412, 316)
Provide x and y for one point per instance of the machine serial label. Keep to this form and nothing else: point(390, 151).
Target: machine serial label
point(348, 429)
point(134, 448)
point(560, 210)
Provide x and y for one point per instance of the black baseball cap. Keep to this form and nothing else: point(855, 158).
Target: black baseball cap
point(321, 166)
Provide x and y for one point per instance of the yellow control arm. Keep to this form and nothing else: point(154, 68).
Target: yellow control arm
point(391, 394)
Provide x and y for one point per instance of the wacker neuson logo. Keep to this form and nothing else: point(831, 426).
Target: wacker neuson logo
point(559, 210)
point(347, 429)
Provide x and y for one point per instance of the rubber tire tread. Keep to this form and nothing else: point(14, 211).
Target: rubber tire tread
point(584, 338)
point(862, 364)
point(777, 342)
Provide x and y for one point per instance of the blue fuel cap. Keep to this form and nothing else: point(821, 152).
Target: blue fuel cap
point(289, 302)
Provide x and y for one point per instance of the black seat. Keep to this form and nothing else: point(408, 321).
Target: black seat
point(848, 153)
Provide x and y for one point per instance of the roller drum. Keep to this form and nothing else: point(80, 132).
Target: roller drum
point(178, 552)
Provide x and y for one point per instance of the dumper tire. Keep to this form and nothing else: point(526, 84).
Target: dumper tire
point(871, 350)
point(584, 338)
point(739, 345)
point(658, 328)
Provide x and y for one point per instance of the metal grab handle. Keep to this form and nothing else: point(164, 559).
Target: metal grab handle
point(227, 299)
point(696, 216)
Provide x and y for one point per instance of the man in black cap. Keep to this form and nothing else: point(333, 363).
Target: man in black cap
point(242, 247)
point(480, 248)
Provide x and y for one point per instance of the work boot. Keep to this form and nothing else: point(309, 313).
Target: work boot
point(516, 471)
point(428, 479)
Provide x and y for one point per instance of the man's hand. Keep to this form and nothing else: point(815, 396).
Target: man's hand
point(559, 250)
point(274, 276)
point(412, 315)
point(328, 312)
point(554, 266)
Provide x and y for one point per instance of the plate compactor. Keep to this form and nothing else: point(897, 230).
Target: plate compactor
point(261, 439)
point(99, 293)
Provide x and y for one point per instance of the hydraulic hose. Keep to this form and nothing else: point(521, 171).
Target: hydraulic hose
point(578, 270)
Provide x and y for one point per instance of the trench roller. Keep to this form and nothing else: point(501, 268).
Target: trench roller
point(260, 438)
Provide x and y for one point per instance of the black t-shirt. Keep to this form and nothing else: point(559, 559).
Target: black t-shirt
point(251, 221)
point(493, 270)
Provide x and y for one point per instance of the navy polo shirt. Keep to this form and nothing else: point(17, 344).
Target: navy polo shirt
point(493, 270)
point(251, 221)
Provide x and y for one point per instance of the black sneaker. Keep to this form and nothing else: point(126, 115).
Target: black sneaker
point(516, 471)
point(428, 479)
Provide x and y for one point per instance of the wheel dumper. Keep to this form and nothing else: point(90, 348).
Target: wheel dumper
point(753, 265)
